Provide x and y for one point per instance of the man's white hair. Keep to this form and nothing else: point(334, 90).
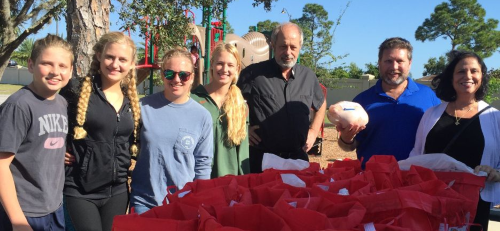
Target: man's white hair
point(279, 28)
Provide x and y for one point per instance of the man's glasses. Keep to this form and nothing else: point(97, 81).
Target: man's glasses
point(170, 74)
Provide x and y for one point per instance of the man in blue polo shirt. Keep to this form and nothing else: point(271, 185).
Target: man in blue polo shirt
point(394, 105)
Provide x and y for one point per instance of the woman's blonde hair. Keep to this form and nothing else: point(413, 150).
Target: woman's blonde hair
point(50, 41)
point(128, 85)
point(234, 106)
point(177, 52)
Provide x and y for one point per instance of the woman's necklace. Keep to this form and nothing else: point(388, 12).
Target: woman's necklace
point(458, 118)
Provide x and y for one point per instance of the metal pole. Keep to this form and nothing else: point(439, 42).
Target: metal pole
point(151, 61)
point(224, 21)
point(207, 43)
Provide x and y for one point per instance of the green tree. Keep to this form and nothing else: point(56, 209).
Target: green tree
point(463, 22)
point(229, 28)
point(493, 85)
point(166, 17)
point(354, 71)
point(494, 73)
point(160, 18)
point(434, 66)
point(372, 69)
point(266, 25)
point(318, 34)
point(323, 73)
point(23, 52)
point(16, 14)
point(493, 88)
point(340, 73)
point(266, 3)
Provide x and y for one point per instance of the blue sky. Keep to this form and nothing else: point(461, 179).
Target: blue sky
point(365, 25)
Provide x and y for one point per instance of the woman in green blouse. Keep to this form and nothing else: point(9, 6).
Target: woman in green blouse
point(223, 99)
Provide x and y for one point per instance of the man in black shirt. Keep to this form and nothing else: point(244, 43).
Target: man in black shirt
point(280, 93)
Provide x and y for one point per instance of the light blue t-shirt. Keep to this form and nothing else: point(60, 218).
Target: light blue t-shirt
point(176, 147)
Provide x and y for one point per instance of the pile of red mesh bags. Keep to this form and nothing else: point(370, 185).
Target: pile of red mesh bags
point(339, 197)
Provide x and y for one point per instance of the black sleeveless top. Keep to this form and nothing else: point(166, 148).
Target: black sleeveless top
point(468, 148)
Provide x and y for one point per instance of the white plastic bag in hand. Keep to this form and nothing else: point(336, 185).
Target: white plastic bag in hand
point(345, 113)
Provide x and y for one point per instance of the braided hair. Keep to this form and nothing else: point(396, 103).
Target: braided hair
point(128, 85)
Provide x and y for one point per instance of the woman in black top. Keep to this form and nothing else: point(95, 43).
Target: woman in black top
point(462, 85)
point(103, 117)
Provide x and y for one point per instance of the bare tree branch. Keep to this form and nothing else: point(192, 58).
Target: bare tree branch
point(38, 9)
point(23, 13)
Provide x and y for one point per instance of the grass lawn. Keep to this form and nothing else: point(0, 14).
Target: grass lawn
point(8, 89)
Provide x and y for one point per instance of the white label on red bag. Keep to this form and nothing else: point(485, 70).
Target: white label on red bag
point(182, 194)
point(463, 228)
point(450, 184)
point(232, 203)
point(293, 204)
point(444, 227)
point(324, 187)
point(369, 227)
point(343, 192)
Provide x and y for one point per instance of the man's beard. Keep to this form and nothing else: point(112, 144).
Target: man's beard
point(286, 65)
point(396, 82)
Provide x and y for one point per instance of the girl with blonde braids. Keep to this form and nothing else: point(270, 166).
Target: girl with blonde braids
point(223, 99)
point(176, 136)
point(104, 116)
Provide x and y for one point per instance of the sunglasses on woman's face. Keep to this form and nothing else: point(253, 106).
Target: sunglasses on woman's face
point(170, 74)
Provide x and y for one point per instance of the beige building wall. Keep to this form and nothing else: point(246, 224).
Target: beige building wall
point(344, 90)
point(14, 75)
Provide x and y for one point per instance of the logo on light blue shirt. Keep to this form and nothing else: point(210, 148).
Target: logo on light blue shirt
point(187, 142)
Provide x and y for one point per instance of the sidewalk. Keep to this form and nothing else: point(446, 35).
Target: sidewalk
point(494, 225)
point(3, 98)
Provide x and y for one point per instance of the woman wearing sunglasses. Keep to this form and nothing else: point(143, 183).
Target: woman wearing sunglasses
point(176, 136)
point(223, 99)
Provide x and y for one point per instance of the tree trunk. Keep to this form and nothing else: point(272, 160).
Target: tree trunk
point(6, 53)
point(86, 22)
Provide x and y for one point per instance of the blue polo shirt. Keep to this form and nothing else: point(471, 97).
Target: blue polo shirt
point(392, 123)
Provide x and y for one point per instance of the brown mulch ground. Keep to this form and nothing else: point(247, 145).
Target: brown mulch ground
point(331, 150)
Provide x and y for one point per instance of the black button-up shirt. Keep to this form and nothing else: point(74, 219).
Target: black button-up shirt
point(280, 107)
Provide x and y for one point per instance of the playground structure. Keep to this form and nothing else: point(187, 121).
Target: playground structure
point(253, 47)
